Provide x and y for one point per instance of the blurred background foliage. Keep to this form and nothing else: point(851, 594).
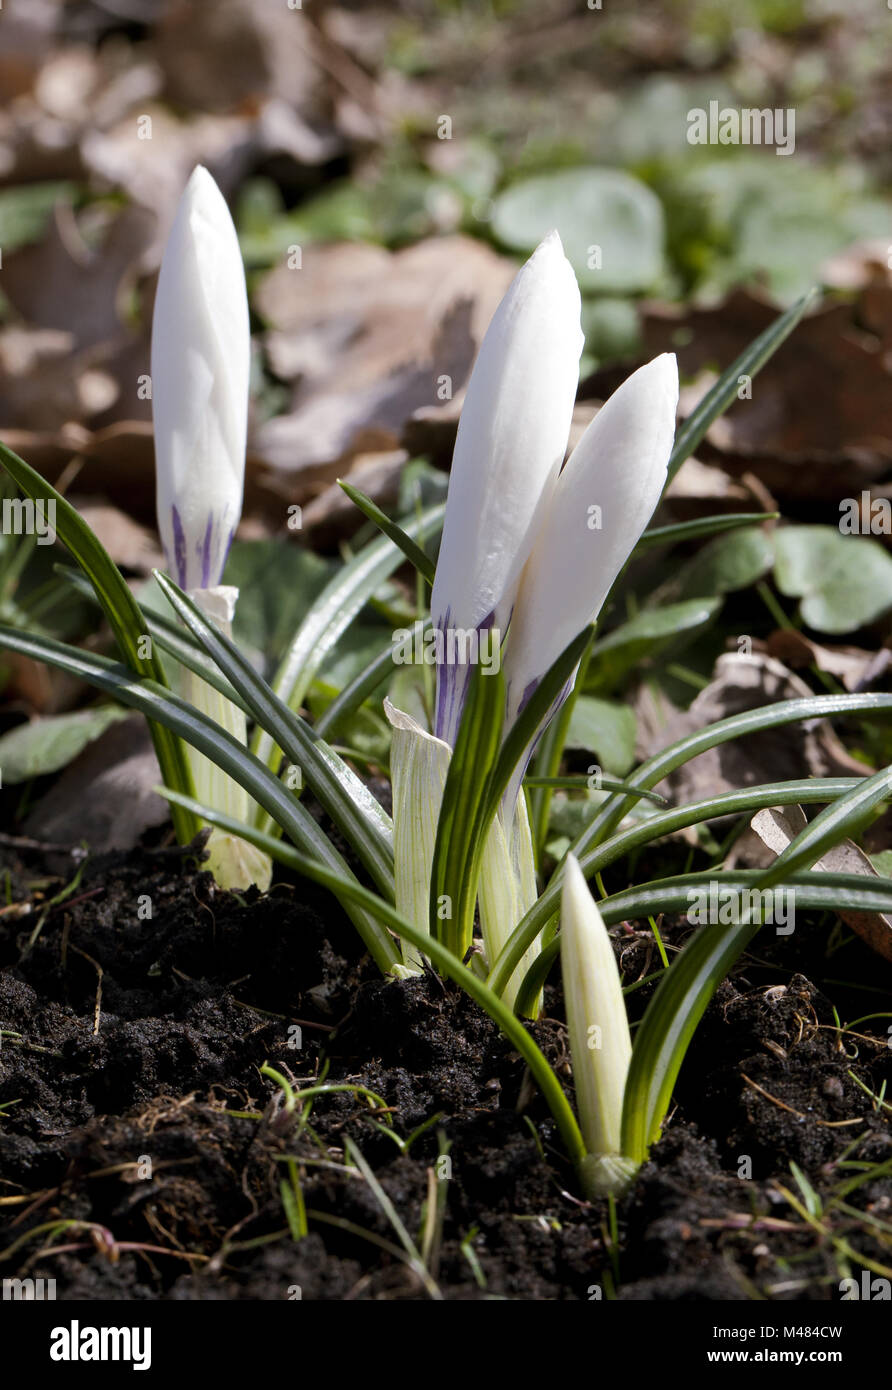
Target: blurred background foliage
point(388, 165)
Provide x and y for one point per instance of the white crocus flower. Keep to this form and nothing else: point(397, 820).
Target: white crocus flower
point(601, 503)
point(201, 355)
point(528, 548)
point(600, 1043)
point(511, 440)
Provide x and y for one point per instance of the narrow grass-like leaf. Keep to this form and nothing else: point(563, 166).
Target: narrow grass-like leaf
point(178, 644)
point(332, 613)
point(339, 603)
point(575, 781)
point(347, 800)
point(806, 790)
point(819, 892)
point(752, 721)
point(663, 1036)
point(720, 396)
point(217, 744)
point(410, 548)
point(447, 963)
point(654, 770)
point(359, 689)
point(700, 527)
point(169, 636)
point(523, 732)
point(838, 822)
point(123, 614)
point(823, 892)
point(548, 758)
point(463, 822)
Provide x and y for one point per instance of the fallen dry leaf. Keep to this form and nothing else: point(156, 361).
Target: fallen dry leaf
point(819, 405)
point(129, 544)
point(370, 338)
point(105, 796)
point(60, 283)
point(777, 827)
point(849, 664)
point(805, 749)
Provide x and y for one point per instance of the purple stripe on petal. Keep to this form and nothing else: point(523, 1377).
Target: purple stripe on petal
point(179, 548)
point(225, 556)
point(206, 554)
point(453, 678)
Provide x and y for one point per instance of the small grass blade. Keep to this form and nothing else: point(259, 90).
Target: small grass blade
point(416, 1263)
point(219, 745)
point(347, 800)
point(720, 396)
point(463, 821)
point(124, 617)
point(700, 527)
point(410, 548)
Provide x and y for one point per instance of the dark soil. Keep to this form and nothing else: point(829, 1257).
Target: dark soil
point(130, 1042)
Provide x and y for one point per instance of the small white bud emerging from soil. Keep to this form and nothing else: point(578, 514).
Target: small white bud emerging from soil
point(600, 1043)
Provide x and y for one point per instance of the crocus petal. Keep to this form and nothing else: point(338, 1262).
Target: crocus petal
point(419, 764)
point(600, 1043)
point(619, 467)
point(511, 440)
point(201, 350)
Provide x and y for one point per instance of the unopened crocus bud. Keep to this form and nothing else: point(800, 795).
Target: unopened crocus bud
point(511, 441)
point(600, 1043)
point(201, 351)
point(601, 503)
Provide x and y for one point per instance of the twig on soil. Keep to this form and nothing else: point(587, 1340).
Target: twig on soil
point(97, 1011)
point(800, 1115)
point(285, 1018)
point(741, 1221)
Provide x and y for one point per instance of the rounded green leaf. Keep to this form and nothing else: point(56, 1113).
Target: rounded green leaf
point(46, 745)
point(605, 728)
point(611, 225)
point(844, 582)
